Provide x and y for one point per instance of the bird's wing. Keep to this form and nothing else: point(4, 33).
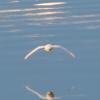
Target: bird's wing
point(65, 49)
point(32, 51)
point(34, 92)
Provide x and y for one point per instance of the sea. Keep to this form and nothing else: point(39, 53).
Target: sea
point(27, 24)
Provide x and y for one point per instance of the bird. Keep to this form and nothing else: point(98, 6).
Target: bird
point(48, 96)
point(48, 48)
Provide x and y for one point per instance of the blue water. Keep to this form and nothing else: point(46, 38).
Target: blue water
point(75, 24)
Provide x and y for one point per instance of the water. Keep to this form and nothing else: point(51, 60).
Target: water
point(26, 24)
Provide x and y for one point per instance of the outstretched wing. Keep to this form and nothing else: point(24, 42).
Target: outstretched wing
point(34, 92)
point(65, 49)
point(32, 51)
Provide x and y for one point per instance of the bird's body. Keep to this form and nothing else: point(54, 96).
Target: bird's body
point(48, 96)
point(48, 48)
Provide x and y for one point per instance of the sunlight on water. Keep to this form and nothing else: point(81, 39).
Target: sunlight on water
point(50, 13)
point(49, 4)
point(45, 13)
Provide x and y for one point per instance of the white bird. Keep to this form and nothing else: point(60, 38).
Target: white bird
point(48, 48)
point(48, 96)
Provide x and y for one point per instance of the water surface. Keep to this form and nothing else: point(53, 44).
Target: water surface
point(25, 24)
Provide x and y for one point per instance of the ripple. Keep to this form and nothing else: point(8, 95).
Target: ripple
point(43, 13)
point(49, 4)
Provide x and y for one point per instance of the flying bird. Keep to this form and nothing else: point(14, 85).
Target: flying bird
point(48, 96)
point(48, 48)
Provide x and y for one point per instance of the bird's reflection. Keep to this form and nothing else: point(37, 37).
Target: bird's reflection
point(48, 96)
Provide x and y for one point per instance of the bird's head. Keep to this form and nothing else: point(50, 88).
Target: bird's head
point(50, 94)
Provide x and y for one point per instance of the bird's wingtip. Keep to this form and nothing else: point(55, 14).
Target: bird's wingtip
point(73, 56)
point(25, 58)
point(27, 87)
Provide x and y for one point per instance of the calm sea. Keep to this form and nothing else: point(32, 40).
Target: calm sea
point(74, 24)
